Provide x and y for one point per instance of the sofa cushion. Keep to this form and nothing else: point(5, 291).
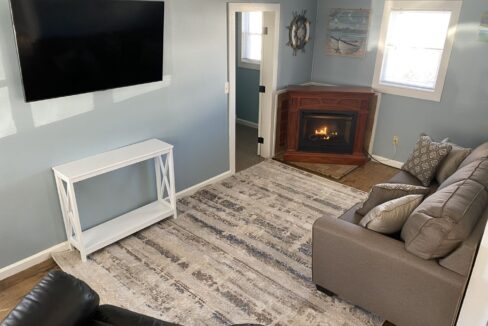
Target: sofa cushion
point(476, 171)
point(461, 259)
point(451, 163)
point(479, 152)
point(404, 177)
point(389, 217)
point(383, 192)
point(425, 158)
point(351, 215)
point(444, 219)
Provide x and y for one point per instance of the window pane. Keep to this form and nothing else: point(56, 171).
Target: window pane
point(255, 22)
point(254, 47)
point(414, 47)
point(252, 26)
point(423, 29)
point(411, 67)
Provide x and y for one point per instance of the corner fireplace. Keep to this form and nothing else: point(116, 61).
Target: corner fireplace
point(328, 124)
point(327, 131)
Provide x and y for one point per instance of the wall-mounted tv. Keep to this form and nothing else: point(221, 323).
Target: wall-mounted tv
point(69, 47)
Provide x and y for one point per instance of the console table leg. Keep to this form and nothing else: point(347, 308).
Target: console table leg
point(172, 190)
point(63, 201)
point(157, 166)
point(75, 219)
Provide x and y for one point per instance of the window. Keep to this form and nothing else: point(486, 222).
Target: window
point(251, 39)
point(414, 47)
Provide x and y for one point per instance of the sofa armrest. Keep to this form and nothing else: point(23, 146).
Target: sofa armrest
point(112, 315)
point(58, 299)
point(375, 272)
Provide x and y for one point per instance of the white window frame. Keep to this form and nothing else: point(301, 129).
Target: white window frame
point(241, 62)
point(391, 5)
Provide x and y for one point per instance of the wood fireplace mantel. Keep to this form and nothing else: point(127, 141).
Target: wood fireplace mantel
point(333, 99)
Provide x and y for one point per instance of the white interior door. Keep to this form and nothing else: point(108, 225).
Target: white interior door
point(267, 79)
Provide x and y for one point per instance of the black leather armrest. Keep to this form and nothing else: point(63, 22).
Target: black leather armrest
point(58, 299)
point(111, 315)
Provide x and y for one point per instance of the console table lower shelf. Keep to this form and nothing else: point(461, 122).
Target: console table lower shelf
point(95, 238)
point(120, 227)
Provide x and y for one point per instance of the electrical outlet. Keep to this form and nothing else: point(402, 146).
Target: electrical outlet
point(396, 140)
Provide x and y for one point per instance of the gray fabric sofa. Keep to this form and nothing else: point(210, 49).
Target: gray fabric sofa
point(377, 273)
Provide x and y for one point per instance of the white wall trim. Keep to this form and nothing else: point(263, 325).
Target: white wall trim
point(375, 123)
point(44, 255)
point(195, 188)
point(33, 260)
point(387, 161)
point(247, 123)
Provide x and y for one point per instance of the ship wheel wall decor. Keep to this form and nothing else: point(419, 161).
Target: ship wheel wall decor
point(299, 32)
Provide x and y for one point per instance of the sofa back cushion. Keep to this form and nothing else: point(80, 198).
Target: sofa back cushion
point(451, 163)
point(478, 153)
point(476, 171)
point(445, 219)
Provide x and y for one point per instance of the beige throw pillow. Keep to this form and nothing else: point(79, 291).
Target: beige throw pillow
point(384, 192)
point(425, 158)
point(389, 217)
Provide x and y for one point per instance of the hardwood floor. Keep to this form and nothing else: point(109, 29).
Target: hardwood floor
point(14, 288)
point(366, 176)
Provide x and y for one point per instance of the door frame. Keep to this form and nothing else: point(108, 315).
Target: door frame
point(265, 113)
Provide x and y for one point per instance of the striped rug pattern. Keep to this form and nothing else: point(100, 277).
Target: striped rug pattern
point(239, 252)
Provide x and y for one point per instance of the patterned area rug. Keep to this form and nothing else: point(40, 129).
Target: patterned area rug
point(239, 252)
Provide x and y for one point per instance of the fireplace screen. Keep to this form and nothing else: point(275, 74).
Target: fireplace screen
point(327, 132)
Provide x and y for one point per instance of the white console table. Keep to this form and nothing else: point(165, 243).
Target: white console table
point(95, 238)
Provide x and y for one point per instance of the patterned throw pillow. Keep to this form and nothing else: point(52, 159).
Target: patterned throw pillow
point(425, 158)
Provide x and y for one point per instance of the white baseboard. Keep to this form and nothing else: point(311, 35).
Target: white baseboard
point(247, 123)
point(31, 261)
point(389, 162)
point(44, 255)
point(195, 188)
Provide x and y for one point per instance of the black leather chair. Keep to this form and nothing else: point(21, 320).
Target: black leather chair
point(61, 299)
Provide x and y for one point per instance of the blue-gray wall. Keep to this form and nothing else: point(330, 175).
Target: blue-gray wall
point(35, 137)
point(462, 115)
point(247, 94)
point(247, 84)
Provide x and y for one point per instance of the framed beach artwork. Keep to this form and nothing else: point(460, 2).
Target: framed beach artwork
point(348, 32)
point(484, 28)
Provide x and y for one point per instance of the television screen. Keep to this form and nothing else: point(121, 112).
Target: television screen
point(69, 47)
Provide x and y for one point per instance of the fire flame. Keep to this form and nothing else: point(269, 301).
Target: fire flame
point(324, 133)
point(321, 132)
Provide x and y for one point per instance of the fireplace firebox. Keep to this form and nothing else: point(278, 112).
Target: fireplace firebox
point(328, 132)
point(328, 124)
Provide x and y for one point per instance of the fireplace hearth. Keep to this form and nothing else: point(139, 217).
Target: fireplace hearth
point(327, 124)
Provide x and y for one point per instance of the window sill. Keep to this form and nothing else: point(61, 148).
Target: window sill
point(434, 96)
point(249, 65)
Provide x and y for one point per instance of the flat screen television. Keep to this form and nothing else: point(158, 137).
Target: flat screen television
point(69, 47)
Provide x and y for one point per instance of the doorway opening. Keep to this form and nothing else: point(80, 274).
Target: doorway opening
point(253, 65)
